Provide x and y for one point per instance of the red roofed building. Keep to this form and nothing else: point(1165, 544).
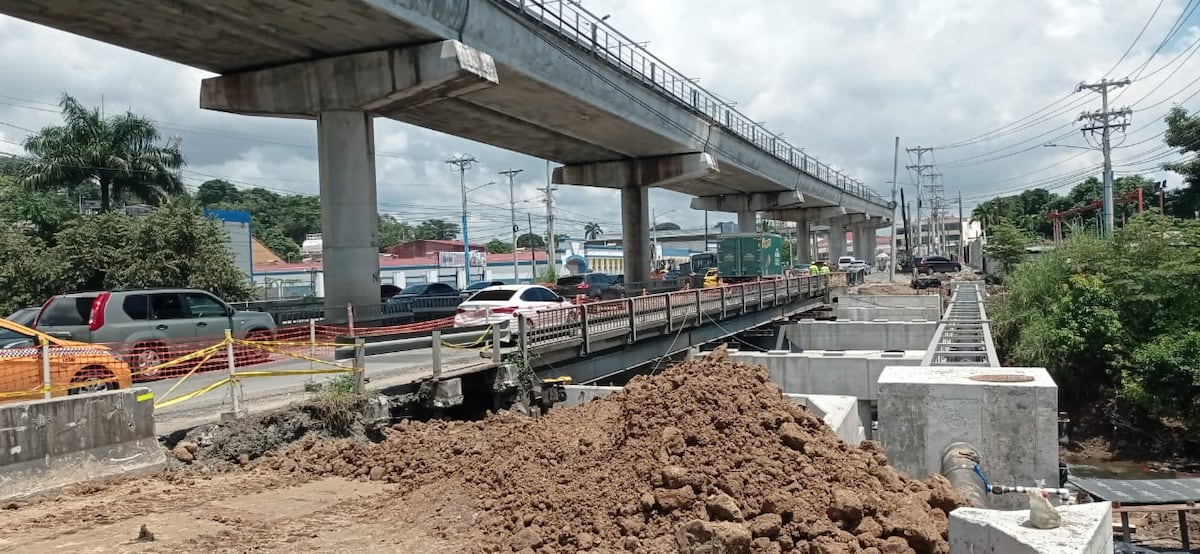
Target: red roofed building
point(429, 248)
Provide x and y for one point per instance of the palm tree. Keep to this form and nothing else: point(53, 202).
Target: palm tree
point(117, 153)
point(592, 230)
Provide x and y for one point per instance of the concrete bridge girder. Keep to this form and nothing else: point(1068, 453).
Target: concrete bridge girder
point(752, 202)
point(343, 94)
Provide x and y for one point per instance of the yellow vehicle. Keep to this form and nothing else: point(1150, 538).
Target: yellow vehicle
point(95, 368)
point(711, 278)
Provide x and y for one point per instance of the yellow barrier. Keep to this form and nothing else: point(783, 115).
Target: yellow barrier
point(483, 339)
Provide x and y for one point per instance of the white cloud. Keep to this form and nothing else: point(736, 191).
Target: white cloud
point(840, 79)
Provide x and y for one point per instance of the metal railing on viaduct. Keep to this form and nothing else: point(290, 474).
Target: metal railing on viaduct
point(964, 336)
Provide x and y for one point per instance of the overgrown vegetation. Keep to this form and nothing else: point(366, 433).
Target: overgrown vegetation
point(1114, 320)
point(337, 404)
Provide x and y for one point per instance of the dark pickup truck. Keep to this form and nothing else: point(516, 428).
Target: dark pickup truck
point(937, 264)
point(593, 285)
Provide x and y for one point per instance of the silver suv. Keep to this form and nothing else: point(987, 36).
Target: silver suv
point(148, 327)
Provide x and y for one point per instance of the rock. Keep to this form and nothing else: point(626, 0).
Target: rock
point(674, 477)
point(647, 501)
point(585, 540)
point(189, 446)
point(674, 499)
point(711, 537)
point(846, 507)
point(144, 534)
point(243, 459)
point(766, 525)
point(183, 454)
point(763, 545)
point(792, 436)
point(528, 537)
point(376, 473)
point(632, 526)
point(723, 507)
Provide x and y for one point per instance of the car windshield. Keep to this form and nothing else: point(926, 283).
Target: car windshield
point(415, 289)
point(495, 295)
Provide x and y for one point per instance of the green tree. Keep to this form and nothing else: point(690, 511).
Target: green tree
point(436, 229)
point(1006, 246)
point(592, 231)
point(497, 246)
point(26, 273)
point(392, 232)
point(531, 240)
point(561, 238)
point(1183, 133)
point(43, 214)
point(277, 242)
point(118, 153)
point(217, 191)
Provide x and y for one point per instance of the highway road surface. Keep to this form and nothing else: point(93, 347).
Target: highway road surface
point(266, 393)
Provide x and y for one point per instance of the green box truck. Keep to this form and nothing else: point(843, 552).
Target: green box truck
point(748, 256)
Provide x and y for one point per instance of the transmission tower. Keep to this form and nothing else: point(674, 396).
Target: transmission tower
point(920, 167)
point(1103, 122)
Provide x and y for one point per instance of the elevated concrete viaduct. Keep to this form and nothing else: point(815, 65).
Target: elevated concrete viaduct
point(547, 79)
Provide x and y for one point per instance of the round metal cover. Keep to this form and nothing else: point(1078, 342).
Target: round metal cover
point(1002, 378)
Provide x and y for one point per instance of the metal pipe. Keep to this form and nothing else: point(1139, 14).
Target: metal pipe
point(958, 466)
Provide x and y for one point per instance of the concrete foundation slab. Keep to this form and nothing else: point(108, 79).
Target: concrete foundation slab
point(1009, 414)
point(891, 301)
point(1086, 529)
point(49, 444)
point(871, 313)
point(846, 373)
point(860, 335)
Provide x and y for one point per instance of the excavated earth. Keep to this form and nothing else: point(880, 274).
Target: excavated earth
point(707, 457)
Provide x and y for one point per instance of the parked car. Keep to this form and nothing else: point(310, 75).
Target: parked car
point(843, 263)
point(426, 290)
point(592, 285)
point(144, 325)
point(507, 303)
point(937, 264)
point(860, 265)
point(70, 362)
point(476, 287)
point(24, 316)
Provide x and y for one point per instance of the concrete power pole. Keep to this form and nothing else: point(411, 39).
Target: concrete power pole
point(463, 163)
point(895, 184)
point(920, 168)
point(962, 230)
point(512, 209)
point(933, 191)
point(1104, 121)
point(552, 246)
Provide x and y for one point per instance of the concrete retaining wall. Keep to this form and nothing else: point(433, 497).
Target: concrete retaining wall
point(872, 313)
point(860, 335)
point(1013, 424)
point(844, 373)
point(891, 301)
point(48, 444)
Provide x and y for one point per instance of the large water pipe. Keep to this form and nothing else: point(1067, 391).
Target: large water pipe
point(959, 463)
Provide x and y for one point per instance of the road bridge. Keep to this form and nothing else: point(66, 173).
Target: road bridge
point(547, 79)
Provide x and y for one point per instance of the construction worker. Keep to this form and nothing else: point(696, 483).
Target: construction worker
point(813, 269)
point(824, 268)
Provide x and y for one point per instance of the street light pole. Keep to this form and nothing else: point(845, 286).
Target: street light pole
point(512, 208)
point(462, 163)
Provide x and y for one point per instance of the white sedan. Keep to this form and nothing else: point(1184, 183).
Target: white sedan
point(860, 265)
point(509, 302)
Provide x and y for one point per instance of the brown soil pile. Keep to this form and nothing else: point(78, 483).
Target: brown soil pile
point(706, 457)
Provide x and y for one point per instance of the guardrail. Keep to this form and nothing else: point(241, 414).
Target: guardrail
point(578, 26)
point(669, 312)
point(964, 337)
point(394, 311)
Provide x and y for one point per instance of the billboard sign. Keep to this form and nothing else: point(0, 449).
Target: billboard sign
point(455, 259)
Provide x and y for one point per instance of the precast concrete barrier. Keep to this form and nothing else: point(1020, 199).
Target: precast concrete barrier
point(48, 444)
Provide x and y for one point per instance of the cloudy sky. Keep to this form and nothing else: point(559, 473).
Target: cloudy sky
point(987, 82)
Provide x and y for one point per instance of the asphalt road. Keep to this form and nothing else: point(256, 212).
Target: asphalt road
point(265, 393)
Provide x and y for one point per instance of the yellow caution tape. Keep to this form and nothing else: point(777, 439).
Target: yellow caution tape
point(189, 373)
point(286, 372)
point(145, 396)
point(191, 395)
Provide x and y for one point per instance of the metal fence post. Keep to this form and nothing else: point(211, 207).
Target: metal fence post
point(699, 308)
point(632, 337)
point(723, 308)
point(436, 346)
point(522, 340)
point(231, 359)
point(583, 327)
point(312, 342)
point(360, 365)
point(46, 369)
point(495, 340)
point(667, 297)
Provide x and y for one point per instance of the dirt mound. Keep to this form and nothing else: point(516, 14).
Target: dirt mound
point(706, 457)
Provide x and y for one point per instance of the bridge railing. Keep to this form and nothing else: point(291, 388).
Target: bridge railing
point(581, 27)
point(669, 312)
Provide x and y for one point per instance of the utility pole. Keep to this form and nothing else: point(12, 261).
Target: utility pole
point(962, 231)
point(532, 252)
point(933, 192)
point(552, 246)
point(463, 163)
point(920, 168)
point(512, 209)
point(895, 184)
point(1104, 121)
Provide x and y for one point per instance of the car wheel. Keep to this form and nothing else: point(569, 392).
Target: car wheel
point(147, 359)
point(88, 376)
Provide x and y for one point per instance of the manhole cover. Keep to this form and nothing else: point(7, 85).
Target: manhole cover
point(1002, 378)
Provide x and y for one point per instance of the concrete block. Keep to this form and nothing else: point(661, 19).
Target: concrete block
point(873, 313)
point(860, 335)
point(1086, 529)
point(843, 372)
point(48, 444)
point(840, 413)
point(891, 301)
point(1008, 414)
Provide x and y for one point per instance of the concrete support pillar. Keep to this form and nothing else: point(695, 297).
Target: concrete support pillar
point(837, 240)
point(747, 221)
point(804, 251)
point(349, 216)
point(863, 239)
point(635, 232)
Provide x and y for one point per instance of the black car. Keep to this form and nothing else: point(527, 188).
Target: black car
point(592, 285)
point(426, 290)
point(937, 264)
